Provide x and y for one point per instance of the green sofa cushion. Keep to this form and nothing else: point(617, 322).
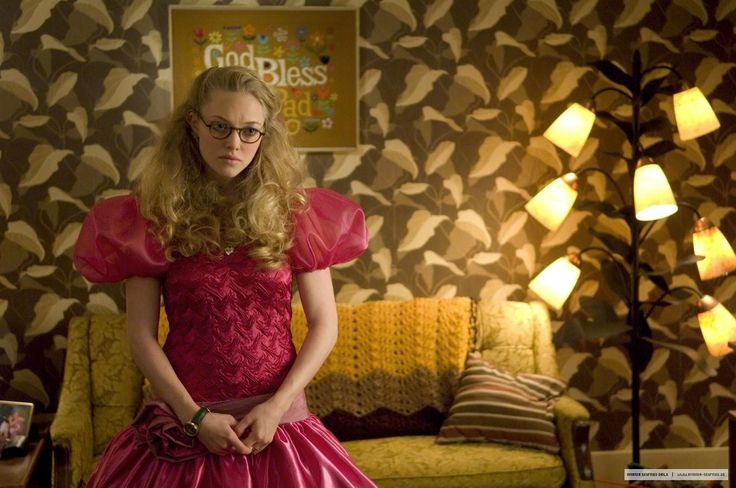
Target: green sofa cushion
point(423, 463)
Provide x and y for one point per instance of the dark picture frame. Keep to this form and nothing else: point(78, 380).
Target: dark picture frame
point(15, 423)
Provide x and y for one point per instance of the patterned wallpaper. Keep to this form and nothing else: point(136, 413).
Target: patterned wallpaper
point(454, 97)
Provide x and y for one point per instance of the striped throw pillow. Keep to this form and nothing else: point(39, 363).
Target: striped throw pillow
point(494, 405)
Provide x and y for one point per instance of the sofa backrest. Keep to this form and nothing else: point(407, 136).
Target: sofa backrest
point(402, 357)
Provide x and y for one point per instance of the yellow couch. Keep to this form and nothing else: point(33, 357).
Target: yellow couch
point(384, 351)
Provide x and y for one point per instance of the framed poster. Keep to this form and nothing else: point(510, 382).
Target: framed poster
point(308, 54)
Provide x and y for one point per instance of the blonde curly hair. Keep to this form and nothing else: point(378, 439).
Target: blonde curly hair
point(188, 210)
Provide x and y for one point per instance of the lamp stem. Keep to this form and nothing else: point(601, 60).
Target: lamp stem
point(634, 349)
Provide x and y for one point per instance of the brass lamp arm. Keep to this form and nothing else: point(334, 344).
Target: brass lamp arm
point(608, 176)
point(607, 89)
point(680, 203)
point(690, 206)
point(672, 70)
point(617, 261)
point(601, 249)
point(650, 226)
point(654, 304)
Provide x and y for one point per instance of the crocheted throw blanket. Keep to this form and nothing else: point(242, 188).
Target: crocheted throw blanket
point(391, 358)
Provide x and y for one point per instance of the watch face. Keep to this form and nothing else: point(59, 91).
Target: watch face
point(191, 429)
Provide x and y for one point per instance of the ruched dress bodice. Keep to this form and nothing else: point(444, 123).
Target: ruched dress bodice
point(229, 323)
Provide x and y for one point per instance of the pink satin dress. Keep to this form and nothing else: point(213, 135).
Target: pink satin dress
point(229, 343)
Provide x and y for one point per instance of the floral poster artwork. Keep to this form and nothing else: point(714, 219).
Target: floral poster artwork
point(308, 55)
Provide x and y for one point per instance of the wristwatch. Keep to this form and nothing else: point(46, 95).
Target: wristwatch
point(192, 427)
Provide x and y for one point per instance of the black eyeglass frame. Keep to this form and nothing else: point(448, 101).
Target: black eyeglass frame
point(232, 128)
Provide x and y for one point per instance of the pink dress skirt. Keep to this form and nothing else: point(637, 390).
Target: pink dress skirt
point(155, 452)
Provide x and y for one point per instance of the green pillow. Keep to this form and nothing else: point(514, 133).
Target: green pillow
point(492, 404)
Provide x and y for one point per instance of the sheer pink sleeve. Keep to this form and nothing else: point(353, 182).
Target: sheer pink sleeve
point(114, 243)
point(330, 231)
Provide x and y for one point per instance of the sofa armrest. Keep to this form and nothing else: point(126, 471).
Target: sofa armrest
point(71, 437)
point(573, 427)
point(71, 430)
point(61, 465)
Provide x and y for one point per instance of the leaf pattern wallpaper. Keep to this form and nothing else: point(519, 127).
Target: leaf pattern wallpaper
point(453, 99)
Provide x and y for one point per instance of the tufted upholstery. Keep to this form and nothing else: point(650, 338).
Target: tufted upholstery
point(516, 336)
point(115, 380)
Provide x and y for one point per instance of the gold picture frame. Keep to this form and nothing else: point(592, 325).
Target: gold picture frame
point(309, 54)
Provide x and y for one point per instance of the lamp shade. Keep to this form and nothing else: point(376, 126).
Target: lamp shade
point(653, 198)
point(553, 203)
point(693, 114)
point(709, 242)
point(555, 282)
point(717, 325)
point(571, 129)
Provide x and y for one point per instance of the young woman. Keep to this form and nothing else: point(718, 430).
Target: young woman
point(219, 225)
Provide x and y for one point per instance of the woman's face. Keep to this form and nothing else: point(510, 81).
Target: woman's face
point(226, 158)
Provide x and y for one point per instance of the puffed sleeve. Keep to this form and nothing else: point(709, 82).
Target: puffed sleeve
point(330, 231)
point(114, 243)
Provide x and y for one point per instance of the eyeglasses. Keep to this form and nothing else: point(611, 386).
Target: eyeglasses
point(222, 130)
